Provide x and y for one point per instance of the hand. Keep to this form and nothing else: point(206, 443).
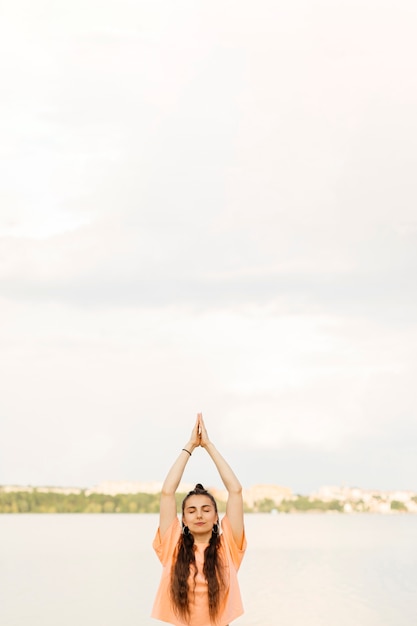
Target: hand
point(204, 438)
point(195, 436)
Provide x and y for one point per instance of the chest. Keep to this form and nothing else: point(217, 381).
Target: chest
point(197, 581)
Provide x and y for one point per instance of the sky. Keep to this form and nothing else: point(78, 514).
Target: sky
point(208, 206)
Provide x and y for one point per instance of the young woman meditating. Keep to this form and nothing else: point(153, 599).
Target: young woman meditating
point(200, 557)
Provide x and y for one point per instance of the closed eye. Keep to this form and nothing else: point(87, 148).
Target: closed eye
point(192, 509)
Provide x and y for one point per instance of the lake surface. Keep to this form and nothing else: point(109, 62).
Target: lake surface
point(299, 570)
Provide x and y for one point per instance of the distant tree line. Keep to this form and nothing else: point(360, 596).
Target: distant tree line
point(50, 502)
point(41, 502)
point(300, 504)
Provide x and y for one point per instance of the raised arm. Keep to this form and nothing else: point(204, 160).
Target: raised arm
point(234, 507)
point(168, 507)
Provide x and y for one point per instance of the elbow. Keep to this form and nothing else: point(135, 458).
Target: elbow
point(236, 489)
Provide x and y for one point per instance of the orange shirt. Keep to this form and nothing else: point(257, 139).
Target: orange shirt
point(231, 606)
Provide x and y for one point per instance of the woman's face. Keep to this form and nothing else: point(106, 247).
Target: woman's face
point(200, 515)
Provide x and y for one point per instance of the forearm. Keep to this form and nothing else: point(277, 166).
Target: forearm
point(174, 475)
point(227, 475)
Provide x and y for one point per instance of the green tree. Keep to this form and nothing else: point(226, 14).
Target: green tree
point(108, 506)
point(265, 506)
point(396, 505)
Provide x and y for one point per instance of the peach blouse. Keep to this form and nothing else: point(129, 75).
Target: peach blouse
point(231, 606)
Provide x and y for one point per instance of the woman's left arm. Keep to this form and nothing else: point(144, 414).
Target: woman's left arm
point(234, 507)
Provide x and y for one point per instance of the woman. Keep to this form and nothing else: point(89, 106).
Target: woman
point(199, 584)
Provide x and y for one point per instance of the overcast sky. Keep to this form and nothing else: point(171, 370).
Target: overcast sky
point(209, 206)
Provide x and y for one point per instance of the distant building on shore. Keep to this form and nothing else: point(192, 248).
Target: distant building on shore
point(258, 493)
point(66, 491)
point(115, 487)
point(370, 500)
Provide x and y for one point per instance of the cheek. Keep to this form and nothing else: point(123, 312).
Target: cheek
point(188, 518)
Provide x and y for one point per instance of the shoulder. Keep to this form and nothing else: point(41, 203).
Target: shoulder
point(164, 544)
point(236, 552)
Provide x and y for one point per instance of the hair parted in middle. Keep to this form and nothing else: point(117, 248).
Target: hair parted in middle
point(184, 562)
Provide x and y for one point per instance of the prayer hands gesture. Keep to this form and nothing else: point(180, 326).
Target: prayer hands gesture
point(204, 438)
point(199, 435)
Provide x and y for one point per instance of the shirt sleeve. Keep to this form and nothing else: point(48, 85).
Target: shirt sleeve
point(164, 545)
point(235, 551)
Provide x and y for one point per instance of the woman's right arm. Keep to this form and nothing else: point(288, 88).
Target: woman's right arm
point(168, 507)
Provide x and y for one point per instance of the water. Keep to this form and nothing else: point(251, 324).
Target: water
point(299, 570)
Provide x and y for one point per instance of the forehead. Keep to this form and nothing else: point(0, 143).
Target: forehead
point(197, 501)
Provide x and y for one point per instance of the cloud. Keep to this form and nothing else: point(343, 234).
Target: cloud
point(265, 382)
point(115, 263)
point(204, 214)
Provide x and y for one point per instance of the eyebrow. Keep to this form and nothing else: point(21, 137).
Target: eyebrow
point(205, 506)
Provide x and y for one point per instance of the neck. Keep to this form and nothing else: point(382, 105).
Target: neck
point(202, 538)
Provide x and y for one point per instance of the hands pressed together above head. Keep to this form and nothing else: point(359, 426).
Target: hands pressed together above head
point(199, 435)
